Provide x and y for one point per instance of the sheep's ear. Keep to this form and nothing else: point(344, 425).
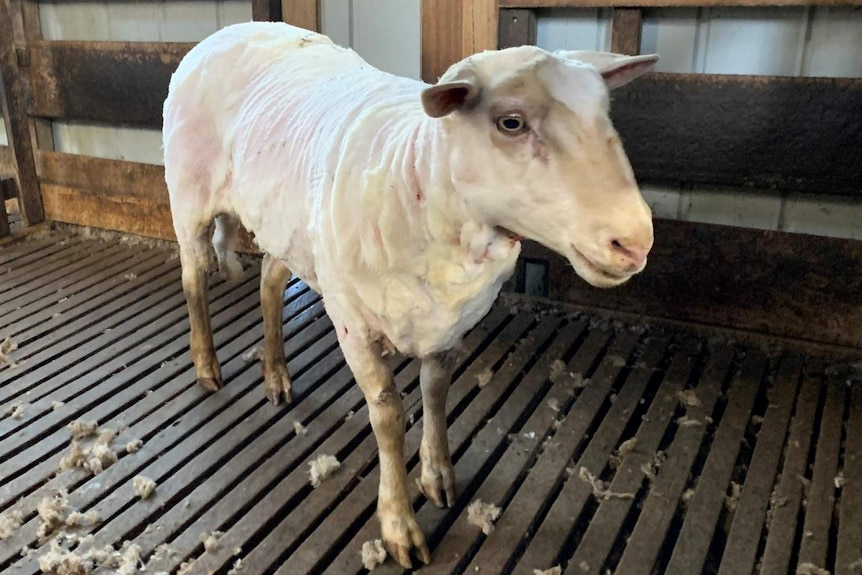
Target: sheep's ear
point(617, 69)
point(446, 97)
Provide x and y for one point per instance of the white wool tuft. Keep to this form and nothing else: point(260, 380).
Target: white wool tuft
point(144, 486)
point(557, 570)
point(373, 554)
point(483, 515)
point(9, 522)
point(322, 468)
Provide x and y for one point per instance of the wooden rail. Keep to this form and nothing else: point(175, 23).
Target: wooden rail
point(17, 123)
point(121, 83)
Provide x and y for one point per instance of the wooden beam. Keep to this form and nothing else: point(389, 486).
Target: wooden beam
point(779, 284)
point(668, 3)
point(517, 28)
point(31, 33)
point(785, 133)
point(122, 83)
point(266, 10)
point(111, 194)
point(113, 178)
point(17, 125)
point(122, 214)
point(479, 27)
point(626, 31)
point(302, 13)
point(7, 163)
point(440, 36)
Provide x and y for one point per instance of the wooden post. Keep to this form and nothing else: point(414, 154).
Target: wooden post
point(42, 129)
point(302, 13)
point(17, 124)
point(517, 28)
point(479, 26)
point(266, 10)
point(441, 36)
point(626, 31)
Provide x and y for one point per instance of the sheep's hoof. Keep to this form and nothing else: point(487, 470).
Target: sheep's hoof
point(400, 536)
point(438, 485)
point(210, 383)
point(277, 384)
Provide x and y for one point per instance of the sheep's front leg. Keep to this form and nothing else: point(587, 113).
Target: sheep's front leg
point(193, 259)
point(399, 529)
point(438, 475)
point(274, 277)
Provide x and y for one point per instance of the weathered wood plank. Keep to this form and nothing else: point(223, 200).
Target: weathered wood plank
point(598, 541)
point(788, 496)
point(13, 83)
point(549, 538)
point(821, 491)
point(750, 514)
point(517, 28)
point(483, 31)
point(626, 31)
point(122, 214)
point(441, 37)
point(114, 178)
point(123, 83)
point(302, 13)
point(667, 3)
point(703, 510)
point(235, 402)
point(849, 549)
point(780, 284)
point(7, 163)
point(759, 131)
point(524, 508)
point(113, 195)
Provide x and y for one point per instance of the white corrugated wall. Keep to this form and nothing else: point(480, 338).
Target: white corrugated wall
point(799, 41)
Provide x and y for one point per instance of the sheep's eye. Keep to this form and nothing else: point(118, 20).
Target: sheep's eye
point(512, 124)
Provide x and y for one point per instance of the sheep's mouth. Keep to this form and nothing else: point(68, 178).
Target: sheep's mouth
point(597, 269)
point(509, 234)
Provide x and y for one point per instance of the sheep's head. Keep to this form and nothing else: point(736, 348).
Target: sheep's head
point(534, 153)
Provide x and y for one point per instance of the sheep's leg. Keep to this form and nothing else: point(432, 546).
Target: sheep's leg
point(438, 476)
point(194, 259)
point(400, 532)
point(224, 243)
point(274, 277)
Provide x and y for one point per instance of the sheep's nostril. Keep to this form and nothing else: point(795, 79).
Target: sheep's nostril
point(635, 255)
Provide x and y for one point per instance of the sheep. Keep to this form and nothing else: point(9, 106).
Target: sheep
point(402, 203)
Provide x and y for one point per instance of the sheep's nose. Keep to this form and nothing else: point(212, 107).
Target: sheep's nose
point(631, 253)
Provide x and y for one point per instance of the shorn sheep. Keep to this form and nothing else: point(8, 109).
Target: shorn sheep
point(402, 203)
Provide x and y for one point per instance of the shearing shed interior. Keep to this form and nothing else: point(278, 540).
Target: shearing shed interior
point(703, 417)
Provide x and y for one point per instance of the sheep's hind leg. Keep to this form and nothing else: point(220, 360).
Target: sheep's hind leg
point(274, 278)
point(194, 258)
point(437, 481)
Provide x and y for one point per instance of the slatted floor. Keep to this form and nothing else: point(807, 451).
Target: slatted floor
point(715, 458)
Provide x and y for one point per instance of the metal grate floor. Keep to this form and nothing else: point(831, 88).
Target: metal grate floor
point(610, 448)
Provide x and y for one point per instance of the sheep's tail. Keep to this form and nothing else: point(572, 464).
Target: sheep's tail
point(224, 243)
